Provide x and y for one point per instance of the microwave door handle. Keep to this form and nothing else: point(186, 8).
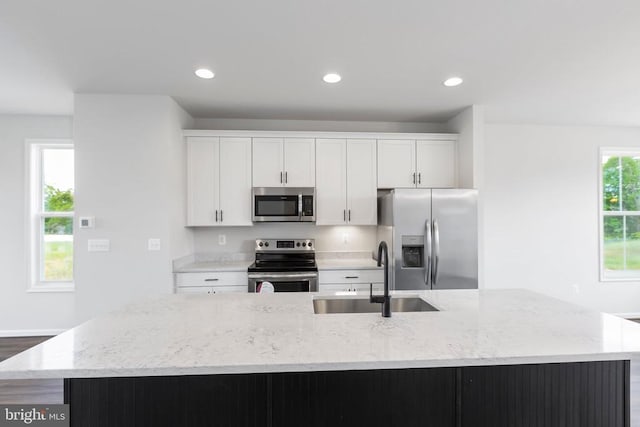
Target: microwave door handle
point(300, 206)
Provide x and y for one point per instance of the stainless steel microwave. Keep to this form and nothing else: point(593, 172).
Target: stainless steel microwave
point(284, 204)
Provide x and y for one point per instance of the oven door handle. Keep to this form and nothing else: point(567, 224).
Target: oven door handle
point(263, 277)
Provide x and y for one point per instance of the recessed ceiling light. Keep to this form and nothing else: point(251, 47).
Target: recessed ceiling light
point(453, 81)
point(204, 73)
point(332, 78)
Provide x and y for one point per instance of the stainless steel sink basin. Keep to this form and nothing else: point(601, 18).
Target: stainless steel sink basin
point(327, 305)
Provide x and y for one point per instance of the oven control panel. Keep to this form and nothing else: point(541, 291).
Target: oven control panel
point(285, 245)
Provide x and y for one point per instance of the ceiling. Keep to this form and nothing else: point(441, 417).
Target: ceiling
point(536, 61)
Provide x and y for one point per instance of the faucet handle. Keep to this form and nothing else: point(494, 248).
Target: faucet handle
point(374, 299)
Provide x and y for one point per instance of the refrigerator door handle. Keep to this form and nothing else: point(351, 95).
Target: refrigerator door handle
point(427, 252)
point(436, 253)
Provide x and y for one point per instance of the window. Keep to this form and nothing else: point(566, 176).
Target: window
point(620, 214)
point(51, 193)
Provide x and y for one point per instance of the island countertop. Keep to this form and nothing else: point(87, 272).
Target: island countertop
point(252, 333)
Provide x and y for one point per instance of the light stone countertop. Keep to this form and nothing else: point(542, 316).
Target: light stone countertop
point(214, 266)
point(347, 264)
point(249, 333)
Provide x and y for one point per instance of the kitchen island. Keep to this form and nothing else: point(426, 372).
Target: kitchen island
point(486, 358)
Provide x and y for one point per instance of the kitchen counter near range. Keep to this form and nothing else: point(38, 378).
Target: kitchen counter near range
point(257, 333)
point(199, 263)
point(357, 260)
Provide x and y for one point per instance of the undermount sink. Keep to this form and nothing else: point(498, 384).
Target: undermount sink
point(329, 305)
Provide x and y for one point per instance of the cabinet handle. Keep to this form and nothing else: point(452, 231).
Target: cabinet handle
point(349, 215)
point(351, 277)
point(280, 177)
point(419, 178)
point(344, 215)
point(220, 215)
point(216, 215)
point(414, 177)
point(286, 177)
point(210, 280)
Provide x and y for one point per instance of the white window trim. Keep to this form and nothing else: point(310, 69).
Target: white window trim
point(33, 191)
point(619, 152)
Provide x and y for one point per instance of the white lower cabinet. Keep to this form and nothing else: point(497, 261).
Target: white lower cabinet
point(211, 283)
point(350, 280)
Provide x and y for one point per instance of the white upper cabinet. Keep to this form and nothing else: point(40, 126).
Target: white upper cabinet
point(331, 185)
point(396, 163)
point(300, 162)
point(362, 201)
point(346, 181)
point(436, 164)
point(218, 181)
point(235, 181)
point(286, 162)
point(202, 180)
point(268, 162)
point(416, 164)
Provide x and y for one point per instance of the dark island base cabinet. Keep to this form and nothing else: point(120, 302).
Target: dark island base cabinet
point(588, 394)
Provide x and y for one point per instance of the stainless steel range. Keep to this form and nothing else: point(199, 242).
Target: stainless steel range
point(288, 264)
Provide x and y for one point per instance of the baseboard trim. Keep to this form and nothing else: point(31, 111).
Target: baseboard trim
point(30, 332)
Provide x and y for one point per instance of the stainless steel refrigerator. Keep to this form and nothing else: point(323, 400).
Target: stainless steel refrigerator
point(432, 237)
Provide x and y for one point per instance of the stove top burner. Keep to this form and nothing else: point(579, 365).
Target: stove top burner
point(284, 255)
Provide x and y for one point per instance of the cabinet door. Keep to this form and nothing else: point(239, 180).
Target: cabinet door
point(268, 167)
point(361, 182)
point(436, 164)
point(300, 162)
point(331, 186)
point(235, 181)
point(202, 181)
point(396, 163)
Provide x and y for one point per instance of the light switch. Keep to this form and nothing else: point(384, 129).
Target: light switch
point(98, 245)
point(154, 244)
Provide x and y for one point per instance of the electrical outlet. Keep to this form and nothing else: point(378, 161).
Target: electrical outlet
point(345, 238)
point(154, 244)
point(222, 239)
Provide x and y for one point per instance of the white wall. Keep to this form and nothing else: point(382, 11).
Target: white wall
point(23, 313)
point(129, 175)
point(317, 125)
point(540, 195)
point(469, 125)
point(328, 238)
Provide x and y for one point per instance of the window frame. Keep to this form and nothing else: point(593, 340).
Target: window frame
point(35, 214)
point(613, 152)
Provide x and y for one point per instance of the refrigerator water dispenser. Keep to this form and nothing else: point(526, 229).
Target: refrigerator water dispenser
point(412, 251)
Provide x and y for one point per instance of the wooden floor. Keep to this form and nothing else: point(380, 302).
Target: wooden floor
point(50, 391)
point(27, 391)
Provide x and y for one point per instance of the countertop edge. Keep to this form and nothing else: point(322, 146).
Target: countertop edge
point(312, 367)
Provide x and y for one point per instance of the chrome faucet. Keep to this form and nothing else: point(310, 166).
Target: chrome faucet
point(385, 299)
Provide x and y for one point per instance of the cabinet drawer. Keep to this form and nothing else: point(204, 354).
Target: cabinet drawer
point(346, 287)
point(211, 289)
point(194, 290)
point(214, 279)
point(351, 276)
